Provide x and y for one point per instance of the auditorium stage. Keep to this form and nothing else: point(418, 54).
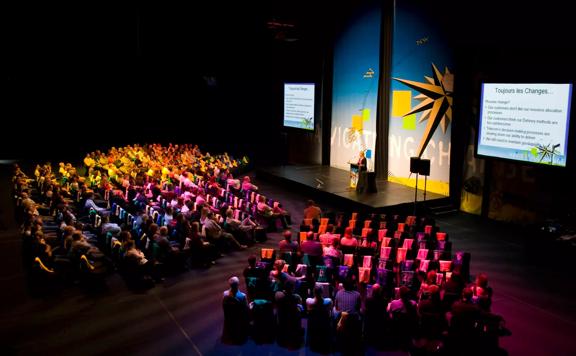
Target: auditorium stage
point(332, 183)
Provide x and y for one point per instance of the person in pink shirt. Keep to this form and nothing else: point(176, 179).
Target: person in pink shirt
point(328, 237)
point(348, 239)
point(247, 185)
point(332, 250)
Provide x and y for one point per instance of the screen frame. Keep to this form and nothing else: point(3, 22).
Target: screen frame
point(569, 128)
point(316, 92)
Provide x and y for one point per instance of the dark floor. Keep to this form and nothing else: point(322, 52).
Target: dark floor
point(533, 281)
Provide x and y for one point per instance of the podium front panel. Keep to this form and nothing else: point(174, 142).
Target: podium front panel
point(354, 170)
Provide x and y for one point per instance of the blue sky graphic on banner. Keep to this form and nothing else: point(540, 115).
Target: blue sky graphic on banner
point(422, 75)
point(355, 88)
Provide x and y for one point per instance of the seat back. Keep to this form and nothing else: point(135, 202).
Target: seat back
point(40, 266)
point(267, 254)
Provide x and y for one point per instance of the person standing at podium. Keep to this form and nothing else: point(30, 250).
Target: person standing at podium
point(362, 163)
point(362, 169)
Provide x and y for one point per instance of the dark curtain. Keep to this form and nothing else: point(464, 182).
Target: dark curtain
point(381, 161)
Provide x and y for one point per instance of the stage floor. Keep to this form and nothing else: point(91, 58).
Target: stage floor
point(324, 180)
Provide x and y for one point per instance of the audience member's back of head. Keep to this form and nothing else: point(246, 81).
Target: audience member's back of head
point(348, 284)
point(348, 232)
point(234, 282)
point(482, 280)
point(432, 293)
point(279, 265)
point(76, 236)
point(309, 236)
point(376, 290)
point(404, 293)
point(431, 277)
point(318, 292)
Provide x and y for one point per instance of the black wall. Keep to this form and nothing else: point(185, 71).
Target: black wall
point(86, 76)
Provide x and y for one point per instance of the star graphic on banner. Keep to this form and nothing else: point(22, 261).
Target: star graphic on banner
point(435, 103)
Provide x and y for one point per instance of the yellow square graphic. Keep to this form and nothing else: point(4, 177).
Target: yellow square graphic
point(365, 114)
point(409, 122)
point(357, 122)
point(401, 102)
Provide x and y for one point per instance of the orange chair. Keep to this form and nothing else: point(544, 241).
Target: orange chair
point(385, 252)
point(381, 234)
point(386, 241)
point(366, 232)
point(422, 254)
point(363, 275)
point(424, 264)
point(367, 223)
point(352, 223)
point(445, 266)
point(324, 221)
point(410, 220)
point(401, 254)
point(348, 260)
point(267, 254)
point(367, 261)
point(408, 243)
point(303, 236)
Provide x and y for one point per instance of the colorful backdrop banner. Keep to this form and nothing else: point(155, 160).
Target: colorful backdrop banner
point(355, 87)
point(421, 98)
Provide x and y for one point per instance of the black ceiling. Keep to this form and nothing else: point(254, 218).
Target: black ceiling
point(72, 63)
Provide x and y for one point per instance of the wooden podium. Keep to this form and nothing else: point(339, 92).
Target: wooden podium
point(362, 180)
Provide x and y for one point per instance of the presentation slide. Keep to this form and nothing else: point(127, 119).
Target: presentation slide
point(299, 106)
point(525, 122)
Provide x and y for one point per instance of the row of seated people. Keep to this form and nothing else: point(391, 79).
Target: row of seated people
point(332, 262)
point(146, 246)
point(157, 245)
point(150, 166)
point(371, 223)
point(387, 235)
point(356, 315)
point(317, 262)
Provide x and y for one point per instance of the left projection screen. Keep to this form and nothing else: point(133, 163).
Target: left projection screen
point(299, 105)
